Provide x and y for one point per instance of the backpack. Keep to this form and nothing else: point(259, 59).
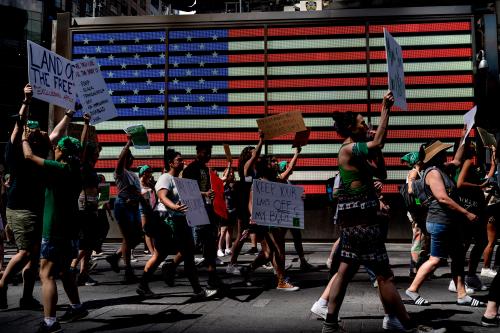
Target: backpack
point(332, 187)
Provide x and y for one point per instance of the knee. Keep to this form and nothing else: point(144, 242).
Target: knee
point(434, 261)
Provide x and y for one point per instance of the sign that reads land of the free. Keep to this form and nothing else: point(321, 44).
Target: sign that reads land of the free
point(283, 123)
point(395, 70)
point(51, 76)
point(92, 91)
point(190, 195)
point(277, 205)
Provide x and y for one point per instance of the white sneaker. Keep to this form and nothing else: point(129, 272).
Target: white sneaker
point(227, 252)
point(219, 262)
point(488, 272)
point(452, 288)
point(319, 310)
point(475, 283)
point(198, 261)
point(392, 323)
point(220, 253)
point(233, 269)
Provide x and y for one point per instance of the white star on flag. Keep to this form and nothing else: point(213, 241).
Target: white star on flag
point(188, 72)
point(202, 98)
point(150, 48)
point(136, 91)
point(176, 64)
point(214, 90)
point(214, 37)
point(175, 98)
point(215, 54)
point(175, 81)
point(98, 49)
point(201, 81)
point(148, 82)
point(110, 92)
point(202, 64)
point(215, 72)
point(136, 73)
point(176, 47)
point(86, 41)
point(111, 57)
point(161, 108)
point(123, 82)
point(85, 57)
point(148, 99)
point(188, 107)
point(189, 38)
point(136, 40)
point(137, 56)
point(161, 91)
point(188, 55)
point(148, 65)
point(124, 65)
point(214, 107)
point(124, 48)
point(135, 108)
point(162, 55)
point(188, 90)
point(123, 100)
point(202, 46)
point(161, 73)
point(162, 39)
point(111, 74)
point(111, 41)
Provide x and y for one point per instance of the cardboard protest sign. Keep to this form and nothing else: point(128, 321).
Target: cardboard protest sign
point(283, 123)
point(92, 91)
point(301, 138)
point(227, 151)
point(487, 138)
point(139, 136)
point(277, 205)
point(469, 121)
point(219, 203)
point(51, 76)
point(395, 70)
point(189, 193)
point(75, 130)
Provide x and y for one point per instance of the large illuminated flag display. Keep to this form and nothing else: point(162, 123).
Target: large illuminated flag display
point(192, 85)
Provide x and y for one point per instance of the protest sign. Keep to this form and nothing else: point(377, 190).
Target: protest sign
point(75, 130)
point(301, 138)
point(51, 76)
point(139, 136)
point(92, 91)
point(277, 205)
point(220, 207)
point(469, 121)
point(283, 123)
point(104, 193)
point(487, 138)
point(395, 70)
point(227, 151)
point(189, 193)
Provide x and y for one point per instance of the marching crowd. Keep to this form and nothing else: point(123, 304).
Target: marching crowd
point(450, 204)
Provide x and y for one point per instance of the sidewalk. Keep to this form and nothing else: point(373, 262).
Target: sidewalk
point(115, 307)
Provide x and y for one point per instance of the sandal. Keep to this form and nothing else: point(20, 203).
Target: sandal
point(420, 301)
point(472, 302)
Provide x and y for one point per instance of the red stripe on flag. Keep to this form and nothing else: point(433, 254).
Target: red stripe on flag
point(310, 31)
point(431, 106)
point(237, 58)
point(114, 138)
point(246, 32)
point(318, 108)
point(427, 80)
point(247, 109)
point(431, 53)
point(324, 82)
point(156, 164)
point(245, 84)
point(317, 56)
point(421, 27)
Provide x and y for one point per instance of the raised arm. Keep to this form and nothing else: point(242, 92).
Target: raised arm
point(379, 138)
point(23, 114)
point(28, 153)
point(255, 154)
point(84, 137)
point(493, 161)
point(61, 127)
point(291, 165)
point(457, 158)
point(123, 156)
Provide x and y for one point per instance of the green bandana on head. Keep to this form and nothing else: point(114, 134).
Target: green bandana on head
point(143, 169)
point(69, 146)
point(32, 124)
point(410, 158)
point(282, 166)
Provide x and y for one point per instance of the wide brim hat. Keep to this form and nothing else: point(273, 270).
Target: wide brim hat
point(435, 149)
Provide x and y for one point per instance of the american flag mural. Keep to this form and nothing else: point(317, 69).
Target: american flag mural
point(211, 84)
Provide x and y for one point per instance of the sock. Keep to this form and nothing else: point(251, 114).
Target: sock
point(465, 299)
point(412, 294)
point(76, 306)
point(49, 321)
point(322, 302)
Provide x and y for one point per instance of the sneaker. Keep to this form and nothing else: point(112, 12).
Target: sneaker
point(488, 272)
point(490, 322)
point(168, 274)
point(133, 258)
point(220, 253)
point(97, 254)
point(233, 269)
point(206, 293)
point(392, 323)
point(307, 267)
point(227, 252)
point(55, 327)
point(29, 304)
point(85, 280)
point(268, 266)
point(475, 283)
point(219, 262)
point(332, 328)
point(198, 261)
point(3, 298)
point(375, 283)
point(319, 310)
point(252, 251)
point(73, 314)
point(452, 288)
point(143, 290)
point(91, 282)
point(113, 260)
point(286, 286)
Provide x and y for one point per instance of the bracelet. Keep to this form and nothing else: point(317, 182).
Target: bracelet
point(26, 102)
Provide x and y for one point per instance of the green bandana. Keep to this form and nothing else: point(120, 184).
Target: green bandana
point(410, 158)
point(143, 169)
point(69, 146)
point(32, 124)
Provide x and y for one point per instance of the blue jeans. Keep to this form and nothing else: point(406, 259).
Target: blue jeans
point(60, 252)
point(447, 241)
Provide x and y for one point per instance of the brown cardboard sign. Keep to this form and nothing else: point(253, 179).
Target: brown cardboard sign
point(283, 123)
point(487, 138)
point(227, 151)
point(301, 138)
point(75, 131)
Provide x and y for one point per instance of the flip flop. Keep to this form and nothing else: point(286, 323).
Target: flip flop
point(420, 301)
point(474, 303)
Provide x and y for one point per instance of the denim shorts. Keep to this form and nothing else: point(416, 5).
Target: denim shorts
point(60, 252)
point(445, 239)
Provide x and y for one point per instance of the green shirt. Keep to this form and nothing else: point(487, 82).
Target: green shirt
point(61, 201)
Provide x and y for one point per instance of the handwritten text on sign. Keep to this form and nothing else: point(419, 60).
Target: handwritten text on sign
point(92, 91)
point(278, 205)
point(51, 76)
point(395, 70)
point(190, 195)
point(283, 123)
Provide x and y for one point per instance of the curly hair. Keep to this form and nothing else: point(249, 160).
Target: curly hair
point(343, 122)
point(245, 155)
point(170, 156)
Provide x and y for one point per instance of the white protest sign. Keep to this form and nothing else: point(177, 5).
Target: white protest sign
point(92, 91)
point(469, 121)
point(190, 195)
point(277, 205)
point(395, 70)
point(51, 76)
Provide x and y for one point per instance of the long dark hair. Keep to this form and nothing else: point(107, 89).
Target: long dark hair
point(344, 121)
point(264, 170)
point(245, 155)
